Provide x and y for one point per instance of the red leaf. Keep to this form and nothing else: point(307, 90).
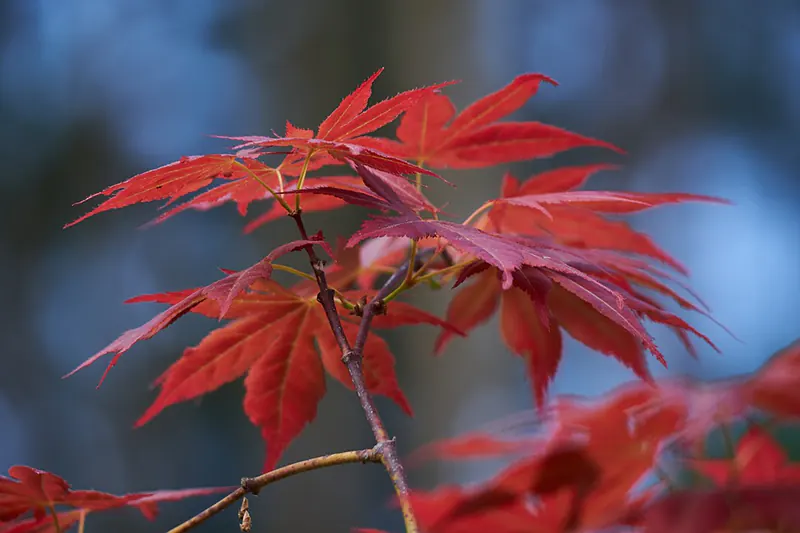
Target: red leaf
point(399, 194)
point(759, 461)
point(350, 107)
point(475, 445)
point(498, 104)
point(471, 306)
point(29, 491)
point(285, 384)
point(222, 291)
point(526, 335)
point(170, 181)
point(45, 524)
point(379, 372)
point(558, 179)
point(710, 511)
point(474, 138)
point(513, 141)
point(774, 387)
point(340, 150)
point(271, 339)
point(498, 251)
point(606, 306)
point(350, 120)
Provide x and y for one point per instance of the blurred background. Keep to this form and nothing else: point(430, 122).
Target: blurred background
point(702, 94)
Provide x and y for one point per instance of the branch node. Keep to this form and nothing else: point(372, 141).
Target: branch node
point(350, 356)
point(380, 307)
point(360, 306)
point(319, 265)
point(250, 485)
point(330, 293)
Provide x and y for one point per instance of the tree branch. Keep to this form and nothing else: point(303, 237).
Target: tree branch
point(255, 484)
point(352, 357)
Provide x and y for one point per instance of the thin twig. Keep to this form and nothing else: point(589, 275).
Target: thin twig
point(255, 484)
point(352, 358)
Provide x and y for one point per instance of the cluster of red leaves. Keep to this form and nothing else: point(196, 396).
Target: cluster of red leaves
point(601, 465)
point(543, 252)
point(33, 501)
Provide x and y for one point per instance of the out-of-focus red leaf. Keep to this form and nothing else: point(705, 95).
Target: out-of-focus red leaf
point(774, 388)
point(758, 461)
point(730, 509)
point(476, 445)
point(32, 492)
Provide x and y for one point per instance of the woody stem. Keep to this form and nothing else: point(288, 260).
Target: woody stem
point(255, 484)
point(352, 357)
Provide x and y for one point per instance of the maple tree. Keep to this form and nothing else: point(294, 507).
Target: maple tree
point(550, 257)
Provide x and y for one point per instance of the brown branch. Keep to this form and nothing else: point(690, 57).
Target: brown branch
point(352, 358)
point(255, 484)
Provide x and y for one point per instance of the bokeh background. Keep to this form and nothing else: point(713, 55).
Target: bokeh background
point(702, 94)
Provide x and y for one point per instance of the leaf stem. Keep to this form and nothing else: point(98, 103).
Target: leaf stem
point(301, 179)
point(54, 514)
point(269, 189)
point(255, 484)
point(82, 521)
point(412, 257)
point(352, 357)
point(443, 271)
point(478, 211)
point(294, 271)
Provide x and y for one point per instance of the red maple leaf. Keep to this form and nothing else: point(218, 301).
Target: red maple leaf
point(271, 338)
point(222, 292)
point(28, 495)
point(740, 509)
point(542, 300)
point(774, 387)
point(548, 204)
point(247, 177)
point(474, 138)
point(342, 134)
point(758, 461)
point(582, 473)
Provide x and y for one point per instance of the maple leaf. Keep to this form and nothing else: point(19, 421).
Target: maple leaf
point(547, 204)
point(580, 475)
point(473, 138)
point(170, 181)
point(505, 254)
point(589, 315)
point(247, 177)
point(752, 509)
point(222, 291)
point(28, 491)
point(774, 387)
point(597, 296)
point(758, 461)
point(244, 187)
point(341, 134)
point(272, 338)
point(45, 524)
point(475, 445)
point(320, 194)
